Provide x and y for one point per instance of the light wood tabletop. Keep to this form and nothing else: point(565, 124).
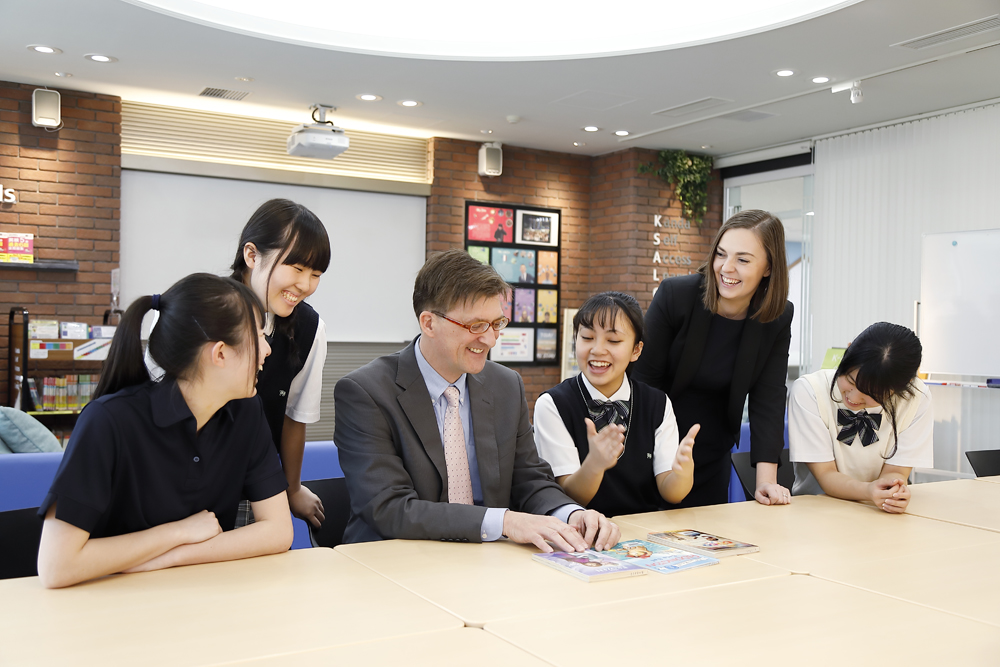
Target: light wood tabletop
point(486, 582)
point(960, 580)
point(449, 648)
point(208, 614)
point(962, 501)
point(785, 620)
point(814, 530)
point(995, 479)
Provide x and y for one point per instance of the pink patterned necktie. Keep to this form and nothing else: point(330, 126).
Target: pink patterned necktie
point(455, 456)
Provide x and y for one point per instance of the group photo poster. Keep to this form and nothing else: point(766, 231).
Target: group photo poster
point(537, 228)
point(522, 244)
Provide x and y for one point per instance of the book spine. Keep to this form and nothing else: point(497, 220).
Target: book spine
point(33, 389)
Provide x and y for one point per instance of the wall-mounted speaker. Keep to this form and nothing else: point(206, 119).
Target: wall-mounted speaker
point(46, 108)
point(490, 159)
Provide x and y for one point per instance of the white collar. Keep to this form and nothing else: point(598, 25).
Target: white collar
point(623, 394)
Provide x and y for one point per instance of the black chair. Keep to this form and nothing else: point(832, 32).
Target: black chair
point(337, 507)
point(985, 462)
point(20, 532)
point(748, 474)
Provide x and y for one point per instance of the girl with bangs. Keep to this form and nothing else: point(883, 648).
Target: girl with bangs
point(612, 441)
point(284, 250)
point(154, 470)
point(856, 432)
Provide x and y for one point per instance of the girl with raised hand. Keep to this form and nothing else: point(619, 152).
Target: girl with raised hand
point(612, 441)
point(155, 470)
point(718, 338)
point(283, 251)
point(856, 432)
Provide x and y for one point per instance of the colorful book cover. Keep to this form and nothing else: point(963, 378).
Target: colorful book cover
point(480, 252)
point(705, 544)
point(545, 345)
point(17, 248)
point(548, 304)
point(524, 305)
point(508, 307)
point(489, 223)
point(589, 565)
point(658, 558)
point(514, 265)
point(548, 267)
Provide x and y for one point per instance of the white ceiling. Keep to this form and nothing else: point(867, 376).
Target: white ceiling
point(167, 60)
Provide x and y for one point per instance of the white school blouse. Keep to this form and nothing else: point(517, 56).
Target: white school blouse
point(813, 429)
point(555, 445)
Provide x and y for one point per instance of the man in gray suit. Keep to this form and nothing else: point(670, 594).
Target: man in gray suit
point(435, 440)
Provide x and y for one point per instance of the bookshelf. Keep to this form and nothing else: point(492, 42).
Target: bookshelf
point(39, 359)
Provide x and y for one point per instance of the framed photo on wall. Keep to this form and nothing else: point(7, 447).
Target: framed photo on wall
point(514, 344)
point(490, 223)
point(569, 365)
point(537, 228)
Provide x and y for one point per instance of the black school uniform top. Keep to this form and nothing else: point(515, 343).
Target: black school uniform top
point(136, 461)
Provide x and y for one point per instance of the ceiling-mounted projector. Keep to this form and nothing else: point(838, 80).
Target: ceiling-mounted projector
point(321, 139)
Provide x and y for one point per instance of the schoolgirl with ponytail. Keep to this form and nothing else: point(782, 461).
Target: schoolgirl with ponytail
point(155, 470)
point(856, 432)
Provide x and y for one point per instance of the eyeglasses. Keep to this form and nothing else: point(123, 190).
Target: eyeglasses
point(477, 327)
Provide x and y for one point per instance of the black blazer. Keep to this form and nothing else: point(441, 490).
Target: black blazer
point(676, 328)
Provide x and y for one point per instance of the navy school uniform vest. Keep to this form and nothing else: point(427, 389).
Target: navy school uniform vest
point(629, 487)
point(280, 368)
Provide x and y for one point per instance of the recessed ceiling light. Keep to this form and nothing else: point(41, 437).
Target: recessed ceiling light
point(409, 103)
point(810, 213)
point(370, 97)
point(820, 79)
point(486, 131)
point(100, 58)
point(64, 75)
point(591, 128)
point(579, 143)
point(706, 146)
point(245, 79)
point(41, 48)
point(621, 133)
point(785, 72)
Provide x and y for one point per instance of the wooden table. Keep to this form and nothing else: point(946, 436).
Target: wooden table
point(208, 614)
point(963, 501)
point(783, 620)
point(994, 479)
point(464, 647)
point(486, 582)
point(964, 581)
point(815, 530)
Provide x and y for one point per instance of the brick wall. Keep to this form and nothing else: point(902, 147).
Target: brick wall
point(606, 226)
point(68, 189)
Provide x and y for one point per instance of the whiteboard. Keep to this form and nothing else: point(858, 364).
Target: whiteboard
point(173, 225)
point(960, 303)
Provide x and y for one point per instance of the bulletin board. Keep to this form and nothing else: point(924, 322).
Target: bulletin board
point(523, 244)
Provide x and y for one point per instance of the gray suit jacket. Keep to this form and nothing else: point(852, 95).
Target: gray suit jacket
point(393, 460)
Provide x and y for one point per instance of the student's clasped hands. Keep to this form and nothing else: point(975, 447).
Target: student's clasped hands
point(890, 494)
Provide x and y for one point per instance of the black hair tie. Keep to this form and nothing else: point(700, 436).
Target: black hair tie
point(156, 302)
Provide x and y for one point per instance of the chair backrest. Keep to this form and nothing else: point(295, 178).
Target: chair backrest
point(748, 475)
point(21, 531)
point(985, 462)
point(337, 508)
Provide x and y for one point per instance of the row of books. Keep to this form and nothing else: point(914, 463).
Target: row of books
point(70, 392)
point(665, 553)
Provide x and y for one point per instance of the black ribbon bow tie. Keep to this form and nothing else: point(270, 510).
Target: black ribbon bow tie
point(603, 413)
point(858, 423)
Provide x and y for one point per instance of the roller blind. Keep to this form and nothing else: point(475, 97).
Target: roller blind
point(204, 136)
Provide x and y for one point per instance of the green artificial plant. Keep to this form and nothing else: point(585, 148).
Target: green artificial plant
point(689, 174)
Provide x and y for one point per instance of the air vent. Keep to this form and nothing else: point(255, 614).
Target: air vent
point(951, 34)
point(691, 107)
point(748, 115)
point(223, 94)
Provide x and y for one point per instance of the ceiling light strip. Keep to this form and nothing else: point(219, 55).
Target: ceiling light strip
point(204, 136)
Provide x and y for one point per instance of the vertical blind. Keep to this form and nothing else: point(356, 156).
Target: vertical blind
point(876, 193)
